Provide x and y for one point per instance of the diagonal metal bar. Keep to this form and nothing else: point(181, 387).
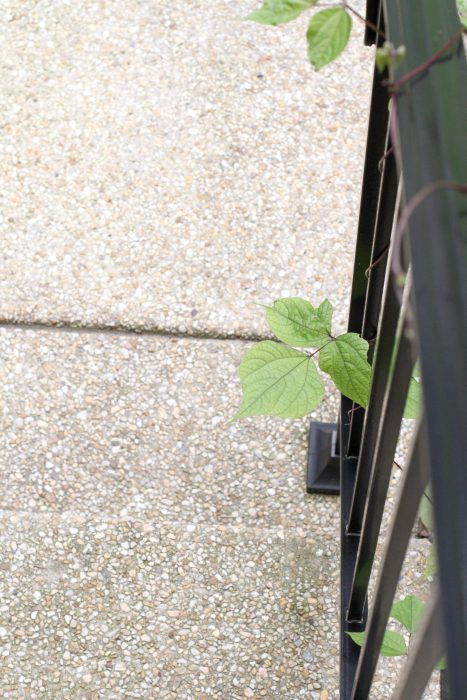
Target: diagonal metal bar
point(376, 272)
point(389, 426)
point(385, 346)
point(413, 484)
point(426, 652)
point(376, 139)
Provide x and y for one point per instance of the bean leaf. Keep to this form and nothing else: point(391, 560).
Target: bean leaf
point(345, 360)
point(327, 36)
point(278, 381)
point(408, 612)
point(393, 643)
point(279, 11)
point(296, 322)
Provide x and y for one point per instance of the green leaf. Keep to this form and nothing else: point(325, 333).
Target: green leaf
point(441, 665)
point(296, 322)
point(393, 642)
point(413, 403)
point(278, 381)
point(279, 11)
point(408, 612)
point(345, 360)
point(327, 35)
point(358, 637)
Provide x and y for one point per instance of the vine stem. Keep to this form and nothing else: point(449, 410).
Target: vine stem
point(312, 354)
point(426, 64)
point(365, 21)
point(377, 260)
point(353, 11)
point(385, 155)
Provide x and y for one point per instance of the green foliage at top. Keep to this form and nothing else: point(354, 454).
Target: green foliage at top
point(328, 31)
point(327, 36)
point(276, 12)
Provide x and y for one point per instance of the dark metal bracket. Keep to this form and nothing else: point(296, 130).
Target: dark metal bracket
point(323, 470)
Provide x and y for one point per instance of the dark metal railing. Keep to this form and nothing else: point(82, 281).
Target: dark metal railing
point(409, 295)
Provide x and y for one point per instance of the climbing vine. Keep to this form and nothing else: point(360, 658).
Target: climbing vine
point(329, 29)
point(279, 380)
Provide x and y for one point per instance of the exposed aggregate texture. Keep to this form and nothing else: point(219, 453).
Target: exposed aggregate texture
point(166, 165)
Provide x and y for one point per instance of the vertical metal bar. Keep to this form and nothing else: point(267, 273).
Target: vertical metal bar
point(426, 652)
point(385, 347)
point(389, 426)
point(376, 275)
point(349, 652)
point(372, 16)
point(382, 238)
point(376, 138)
point(414, 482)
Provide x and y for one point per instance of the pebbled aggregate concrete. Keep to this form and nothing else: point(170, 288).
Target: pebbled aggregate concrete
point(166, 165)
point(148, 548)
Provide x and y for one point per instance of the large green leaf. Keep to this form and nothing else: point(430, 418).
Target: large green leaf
point(296, 322)
point(393, 642)
point(279, 11)
point(408, 612)
point(327, 36)
point(278, 381)
point(345, 360)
